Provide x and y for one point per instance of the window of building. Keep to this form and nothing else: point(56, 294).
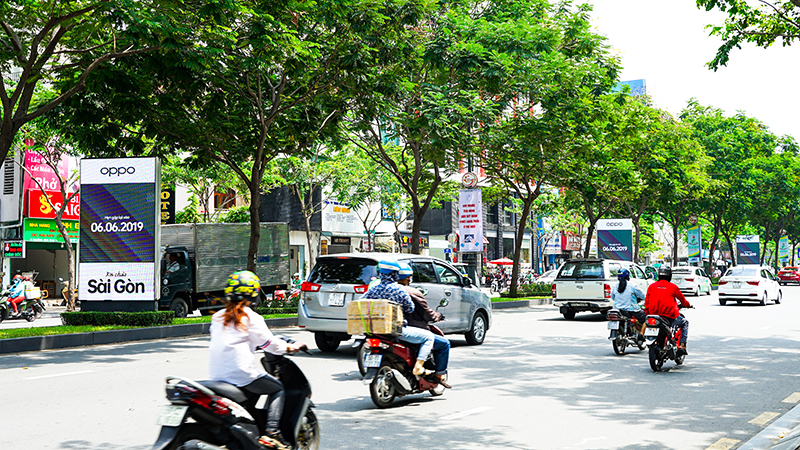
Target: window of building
point(225, 199)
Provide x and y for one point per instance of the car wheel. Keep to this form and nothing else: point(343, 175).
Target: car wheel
point(722, 302)
point(569, 314)
point(779, 298)
point(696, 292)
point(179, 307)
point(764, 299)
point(477, 333)
point(326, 343)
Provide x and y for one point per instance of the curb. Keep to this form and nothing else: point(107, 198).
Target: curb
point(39, 343)
point(770, 438)
point(522, 303)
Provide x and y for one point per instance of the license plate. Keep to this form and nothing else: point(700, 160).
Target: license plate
point(171, 415)
point(336, 299)
point(373, 360)
point(579, 304)
point(613, 325)
point(737, 284)
point(651, 332)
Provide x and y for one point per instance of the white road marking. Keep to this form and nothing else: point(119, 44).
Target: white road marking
point(596, 378)
point(58, 375)
point(468, 412)
point(518, 345)
point(728, 339)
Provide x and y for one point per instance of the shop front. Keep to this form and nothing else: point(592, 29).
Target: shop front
point(45, 253)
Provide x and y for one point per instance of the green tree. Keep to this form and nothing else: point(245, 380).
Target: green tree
point(202, 180)
point(762, 23)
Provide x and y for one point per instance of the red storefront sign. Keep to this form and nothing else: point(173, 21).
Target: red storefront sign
point(39, 208)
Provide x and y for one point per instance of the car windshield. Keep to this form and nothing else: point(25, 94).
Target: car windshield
point(582, 269)
point(357, 271)
point(682, 271)
point(742, 272)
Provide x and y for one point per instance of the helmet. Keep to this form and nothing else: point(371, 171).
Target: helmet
point(388, 266)
point(242, 285)
point(624, 274)
point(665, 273)
point(296, 275)
point(17, 278)
point(405, 270)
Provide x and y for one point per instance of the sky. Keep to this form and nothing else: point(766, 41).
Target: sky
point(665, 42)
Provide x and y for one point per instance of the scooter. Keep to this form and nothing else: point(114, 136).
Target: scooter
point(624, 331)
point(389, 364)
point(213, 415)
point(30, 309)
point(663, 341)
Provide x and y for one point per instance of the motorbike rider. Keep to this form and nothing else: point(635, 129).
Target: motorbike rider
point(420, 318)
point(296, 281)
point(389, 289)
point(17, 294)
point(662, 300)
point(236, 332)
point(626, 296)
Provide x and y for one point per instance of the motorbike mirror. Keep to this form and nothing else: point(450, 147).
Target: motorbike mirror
point(444, 303)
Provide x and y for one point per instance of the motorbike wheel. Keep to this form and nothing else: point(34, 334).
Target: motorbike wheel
point(308, 438)
point(360, 354)
point(31, 317)
point(3, 314)
point(656, 360)
point(189, 432)
point(381, 389)
point(619, 343)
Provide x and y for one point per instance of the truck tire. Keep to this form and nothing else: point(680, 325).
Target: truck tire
point(180, 307)
point(326, 343)
point(569, 314)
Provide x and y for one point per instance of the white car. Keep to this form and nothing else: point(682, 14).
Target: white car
point(548, 277)
point(692, 280)
point(749, 283)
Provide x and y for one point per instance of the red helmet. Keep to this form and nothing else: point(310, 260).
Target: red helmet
point(17, 277)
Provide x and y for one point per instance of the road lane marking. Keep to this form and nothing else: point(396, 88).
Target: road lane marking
point(728, 339)
point(517, 346)
point(794, 398)
point(467, 413)
point(723, 444)
point(596, 378)
point(58, 375)
point(764, 418)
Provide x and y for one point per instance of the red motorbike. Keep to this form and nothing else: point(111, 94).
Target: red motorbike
point(664, 341)
point(389, 364)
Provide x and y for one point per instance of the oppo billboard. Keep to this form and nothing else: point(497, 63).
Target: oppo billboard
point(119, 242)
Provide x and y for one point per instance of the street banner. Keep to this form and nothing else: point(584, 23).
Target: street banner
point(694, 239)
point(46, 230)
point(470, 220)
point(39, 208)
point(615, 239)
point(120, 213)
point(783, 248)
point(747, 250)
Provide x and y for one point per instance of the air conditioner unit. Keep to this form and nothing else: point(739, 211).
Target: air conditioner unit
point(11, 195)
point(409, 226)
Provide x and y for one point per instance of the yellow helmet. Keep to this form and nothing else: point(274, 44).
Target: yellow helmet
point(242, 285)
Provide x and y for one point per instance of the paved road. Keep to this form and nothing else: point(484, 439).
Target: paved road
point(539, 382)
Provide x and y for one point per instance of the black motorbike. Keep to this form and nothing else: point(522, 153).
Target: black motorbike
point(664, 339)
point(624, 331)
point(214, 415)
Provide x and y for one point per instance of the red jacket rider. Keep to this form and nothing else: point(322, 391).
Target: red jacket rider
point(661, 299)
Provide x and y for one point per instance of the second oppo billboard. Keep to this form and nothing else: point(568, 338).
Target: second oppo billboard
point(119, 251)
point(615, 239)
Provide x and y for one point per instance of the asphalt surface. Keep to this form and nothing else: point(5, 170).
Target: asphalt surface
point(538, 382)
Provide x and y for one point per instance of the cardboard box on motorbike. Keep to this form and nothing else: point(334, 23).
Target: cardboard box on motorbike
point(374, 317)
point(32, 292)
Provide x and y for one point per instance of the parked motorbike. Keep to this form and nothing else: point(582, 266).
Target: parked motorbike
point(624, 331)
point(664, 341)
point(213, 415)
point(389, 364)
point(30, 309)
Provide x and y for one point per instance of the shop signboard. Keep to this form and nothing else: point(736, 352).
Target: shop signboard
point(570, 242)
point(747, 249)
point(470, 221)
point(694, 239)
point(39, 170)
point(14, 249)
point(615, 239)
point(783, 248)
point(167, 205)
point(38, 206)
point(119, 245)
point(46, 230)
point(405, 241)
point(338, 217)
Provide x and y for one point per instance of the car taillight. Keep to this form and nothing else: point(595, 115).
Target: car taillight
point(722, 282)
point(307, 286)
point(652, 321)
point(607, 290)
point(753, 283)
point(554, 290)
point(361, 289)
point(689, 279)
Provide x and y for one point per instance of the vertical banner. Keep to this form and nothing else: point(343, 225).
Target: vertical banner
point(120, 213)
point(615, 239)
point(747, 250)
point(783, 248)
point(167, 205)
point(694, 238)
point(470, 220)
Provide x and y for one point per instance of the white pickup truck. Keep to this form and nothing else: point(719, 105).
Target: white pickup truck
point(585, 284)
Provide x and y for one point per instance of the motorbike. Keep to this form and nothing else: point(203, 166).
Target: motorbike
point(30, 309)
point(663, 342)
point(389, 365)
point(214, 415)
point(624, 331)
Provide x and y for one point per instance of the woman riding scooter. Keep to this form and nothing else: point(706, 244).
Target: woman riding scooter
point(626, 296)
point(17, 295)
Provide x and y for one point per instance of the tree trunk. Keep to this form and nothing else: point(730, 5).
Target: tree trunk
point(636, 240)
point(794, 244)
point(255, 226)
point(713, 247)
point(70, 259)
point(312, 254)
point(416, 228)
point(731, 247)
point(526, 210)
point(674, 244)
point(589, 233)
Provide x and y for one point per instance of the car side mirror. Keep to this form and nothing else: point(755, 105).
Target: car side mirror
point(467, 281)
point(424, 291)
point(444, 303)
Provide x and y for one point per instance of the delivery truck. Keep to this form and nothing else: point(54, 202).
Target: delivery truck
point(198, 258)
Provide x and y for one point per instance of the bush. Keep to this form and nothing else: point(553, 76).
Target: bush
point(237, 214)
point(532, 290)
point(132, 319)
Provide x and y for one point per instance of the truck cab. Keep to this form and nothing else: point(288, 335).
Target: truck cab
point(177, 281)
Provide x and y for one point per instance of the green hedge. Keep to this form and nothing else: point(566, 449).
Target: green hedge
point(132, 319)
point(532, 290)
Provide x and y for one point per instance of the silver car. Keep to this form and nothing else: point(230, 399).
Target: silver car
point(341, 278)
